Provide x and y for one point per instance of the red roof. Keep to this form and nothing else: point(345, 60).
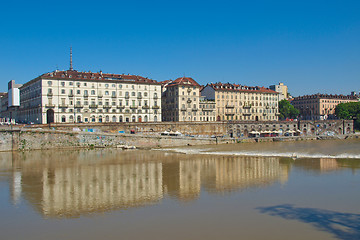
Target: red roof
point(184, 81)
point(240, 88)
point(75, 75)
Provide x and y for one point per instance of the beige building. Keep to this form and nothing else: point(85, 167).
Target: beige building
point(281, 89)
point(181, 102)
point(320, 106)
point(72, 96)
point(236, 102)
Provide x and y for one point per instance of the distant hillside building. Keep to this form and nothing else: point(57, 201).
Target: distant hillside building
point(236, 102)
point(281, 89)
point(71, 96)
point(320, 106)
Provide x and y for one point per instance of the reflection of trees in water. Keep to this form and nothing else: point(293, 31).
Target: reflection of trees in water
point(342, 225)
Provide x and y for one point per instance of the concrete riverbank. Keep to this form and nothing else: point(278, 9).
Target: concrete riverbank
point(36, 139)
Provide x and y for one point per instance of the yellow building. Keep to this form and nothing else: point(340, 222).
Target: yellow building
point(236, 102)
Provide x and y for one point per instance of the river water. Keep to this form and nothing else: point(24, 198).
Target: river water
point(283, 190)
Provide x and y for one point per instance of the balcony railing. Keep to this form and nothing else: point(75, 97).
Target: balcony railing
point(229, 106)
point(63, 105)
point(133, 107)
point(183, 109)
point(50, 94)
point(50, 105)
point(247, 106)
point(127, 96)
point(79, 105)
point(71, 94)
point(194, 109)
point(146, 107)
point(156, 107)
point(113, 96)
point(107, 106)
point(93, 106)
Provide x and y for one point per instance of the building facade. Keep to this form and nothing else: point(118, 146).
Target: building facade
point(320, 106)
point(72, 96)
point(281, 89)
point(181, 100)
point(237, 103)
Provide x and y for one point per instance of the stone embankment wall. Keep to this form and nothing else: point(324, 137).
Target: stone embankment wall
point(47, 139)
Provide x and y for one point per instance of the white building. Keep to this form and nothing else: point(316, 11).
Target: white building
point(72, 96)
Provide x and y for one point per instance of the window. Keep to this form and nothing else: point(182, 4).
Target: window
point(63, 84)
point(78, 91)
point(106, 92)
point(106, 85)
point(62, 91)
point(120, 86)
point(92, 92)
point(50, 83)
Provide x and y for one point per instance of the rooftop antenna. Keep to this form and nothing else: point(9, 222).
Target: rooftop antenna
point(71, 67)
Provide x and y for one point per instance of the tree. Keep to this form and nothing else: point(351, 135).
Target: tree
point(349, 111)
point(287, 110)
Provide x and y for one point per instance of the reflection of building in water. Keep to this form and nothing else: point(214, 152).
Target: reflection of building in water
point(95, 188)
point(322, 164)
point(234, 173)
point(190, 182)
point(75, 183)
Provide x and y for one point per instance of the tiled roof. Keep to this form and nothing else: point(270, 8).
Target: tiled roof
point(239, 88)
point(327, 96)
point(184, 81)
point(88, 76)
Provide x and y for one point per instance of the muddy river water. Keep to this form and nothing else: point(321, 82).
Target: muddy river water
point(286, 190)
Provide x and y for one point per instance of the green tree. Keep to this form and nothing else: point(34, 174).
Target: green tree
point(287, 110)
point(349, 111)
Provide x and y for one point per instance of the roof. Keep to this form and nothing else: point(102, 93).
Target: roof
point(184, 81)
point(327, 96)
point(239, 88)
point(90, 76)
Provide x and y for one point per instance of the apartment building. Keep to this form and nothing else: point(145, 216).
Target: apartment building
point(237, 102)
point(320, 106)
point(71, 96)
point(180, 100)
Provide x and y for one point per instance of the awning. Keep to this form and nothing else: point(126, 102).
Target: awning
point(254, 132)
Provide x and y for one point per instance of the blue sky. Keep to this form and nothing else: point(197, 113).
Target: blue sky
point(311, 46)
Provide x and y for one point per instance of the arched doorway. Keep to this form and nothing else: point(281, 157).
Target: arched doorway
point(100, 119)
point(146, 118)
point(78, 119)
point(107, 119)
point(139, 119)
point(63, 119)
point(50, 116)
point(218, 118)
point(114, 118)
point(133, 119)
point(256, 118)
point(155, 119)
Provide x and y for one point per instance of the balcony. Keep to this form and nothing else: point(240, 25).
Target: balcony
point(50, 105)
point(247, 106)
point(120, 107)
point(247, 114)
point(264, 114)
point(188, 101)
point(50, 94)
point(79, 106)
point(93, 106)
point(155, 107)
point(71, 95)
point(183, 109)
point(100, 96)
point(107, 106)
point(86, 95)
point(139, 97)
point(127, 96)
point(63, 106)
point(229, 106)
point(194, 109)
point(133, 107)
point(113, 96)
point(146, 107)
